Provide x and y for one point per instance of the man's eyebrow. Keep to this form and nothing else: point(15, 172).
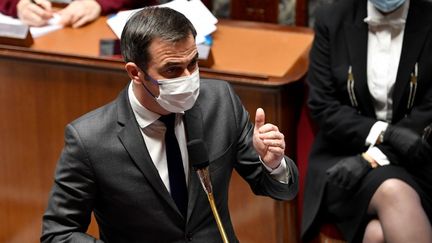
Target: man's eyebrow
point(176, 63)
point(169, 64)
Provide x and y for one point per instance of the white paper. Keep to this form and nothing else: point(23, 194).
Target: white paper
point(35, 31)
point(197, 13)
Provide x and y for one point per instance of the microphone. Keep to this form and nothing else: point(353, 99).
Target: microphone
point(199, 159)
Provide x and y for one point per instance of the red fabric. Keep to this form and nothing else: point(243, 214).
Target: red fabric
point(305, 138)
point(306, 130)
point(8, 7)
point(112, 6)
point(331, 231)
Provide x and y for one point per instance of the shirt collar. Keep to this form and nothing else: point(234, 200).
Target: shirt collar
point(395, 18)
point(143, 116)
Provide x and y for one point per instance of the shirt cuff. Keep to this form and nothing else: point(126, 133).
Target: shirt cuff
point(281, 173)
point(378, 156)
point(377, 129)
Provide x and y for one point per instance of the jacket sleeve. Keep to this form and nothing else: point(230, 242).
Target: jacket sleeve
point(8, 7)
point(249, 166)
point(417, 120)
point(420, 115)
point(71, 201)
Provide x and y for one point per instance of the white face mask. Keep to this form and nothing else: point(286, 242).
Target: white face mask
point(178, 94)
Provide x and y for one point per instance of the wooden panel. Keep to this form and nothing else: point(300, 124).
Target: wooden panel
point(37, 100)
point(266, 11)
point(274, 221)
point(259, 52)
point(255, 10)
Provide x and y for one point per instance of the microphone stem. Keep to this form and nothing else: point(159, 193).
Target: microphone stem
point(204, 176)
point(216, 215)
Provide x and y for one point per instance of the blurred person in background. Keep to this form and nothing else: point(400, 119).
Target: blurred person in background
point(76, 14)
point(370, 83)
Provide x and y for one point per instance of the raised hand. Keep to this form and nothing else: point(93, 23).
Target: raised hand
point(268, 141)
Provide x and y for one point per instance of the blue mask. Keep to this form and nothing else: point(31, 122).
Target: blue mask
point(387, 6)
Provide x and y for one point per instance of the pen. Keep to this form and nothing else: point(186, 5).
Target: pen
point(46, 7)
point(40, 5)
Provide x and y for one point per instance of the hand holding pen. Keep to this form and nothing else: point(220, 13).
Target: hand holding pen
point(34, 12)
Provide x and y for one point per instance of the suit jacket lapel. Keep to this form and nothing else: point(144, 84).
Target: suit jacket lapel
point(194, 129)
point(413, 40)
point(356, 34)
point(132, 140)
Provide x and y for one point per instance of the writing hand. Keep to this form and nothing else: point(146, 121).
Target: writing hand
point(268, 141)
point(34, 12)
point(79, 13)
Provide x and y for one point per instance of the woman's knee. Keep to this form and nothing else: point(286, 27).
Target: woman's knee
point(395, 191)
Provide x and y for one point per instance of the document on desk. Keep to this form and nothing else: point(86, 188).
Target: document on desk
point(53, 24)
point(201, 18)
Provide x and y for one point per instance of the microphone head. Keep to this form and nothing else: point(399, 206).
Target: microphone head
point(198, 155)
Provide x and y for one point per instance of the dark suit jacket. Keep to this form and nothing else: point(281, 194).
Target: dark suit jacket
point(340, 41)
point(106, 168)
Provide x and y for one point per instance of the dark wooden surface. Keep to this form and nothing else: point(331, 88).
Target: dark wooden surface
point(61, 77)
point(264, 10)
point(255, 10)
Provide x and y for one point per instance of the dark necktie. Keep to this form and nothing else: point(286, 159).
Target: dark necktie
point(176, 173)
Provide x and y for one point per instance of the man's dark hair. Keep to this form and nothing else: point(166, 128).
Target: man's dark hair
point(150, 23)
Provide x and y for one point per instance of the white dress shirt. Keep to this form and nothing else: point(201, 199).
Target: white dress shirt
point(153, 132)
point(385, 39)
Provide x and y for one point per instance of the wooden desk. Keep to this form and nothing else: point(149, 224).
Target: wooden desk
point(61, 77)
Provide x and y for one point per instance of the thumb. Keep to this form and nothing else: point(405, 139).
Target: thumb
point(259, 118)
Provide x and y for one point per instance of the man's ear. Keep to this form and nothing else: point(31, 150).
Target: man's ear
point(134, 72)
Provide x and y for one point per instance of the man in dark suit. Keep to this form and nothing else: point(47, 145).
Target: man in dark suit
point(371, 95)
point(116, 164)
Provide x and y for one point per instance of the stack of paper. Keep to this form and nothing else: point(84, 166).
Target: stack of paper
point(53, 24)
point(201, 18)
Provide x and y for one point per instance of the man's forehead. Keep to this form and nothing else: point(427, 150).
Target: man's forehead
point(164, 51)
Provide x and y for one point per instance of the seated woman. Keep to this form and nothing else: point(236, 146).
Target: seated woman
point(371, 95)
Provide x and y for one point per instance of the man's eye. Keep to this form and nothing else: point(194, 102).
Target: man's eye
point(173, 71)
point(193, 65)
